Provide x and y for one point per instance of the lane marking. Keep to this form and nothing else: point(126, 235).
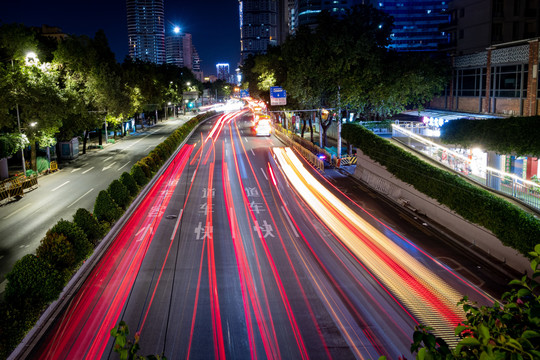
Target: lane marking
point(161, 138)
point(59, 186)
point(109, 158)
point(108, 166)
point(77, 169)
point(253, 152)
point(80, 197)
point(289, 220)
point(148, 147)
point(246, 139)
point(85, 171)
point(17, 211)
point(121, 167)
point(193, 177)
point(264, 174)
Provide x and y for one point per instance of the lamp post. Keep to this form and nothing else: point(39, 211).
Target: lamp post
point(30, 59)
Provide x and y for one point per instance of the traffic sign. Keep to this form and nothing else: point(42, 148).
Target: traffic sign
point(278, 96)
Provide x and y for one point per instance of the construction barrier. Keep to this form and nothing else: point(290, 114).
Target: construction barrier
point(14, 187)
point(54, 166)
point(346, 160)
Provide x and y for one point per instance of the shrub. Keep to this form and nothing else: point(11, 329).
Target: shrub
point(156, 158)
point(89, 225)
point(138, 175)
point(130, 183)
point(33, 279)
point(105, 209)
point(119, 193)
point(75, 236)
point(57, 251)
point(148, 161)
point(15, 320)
point(145, 168)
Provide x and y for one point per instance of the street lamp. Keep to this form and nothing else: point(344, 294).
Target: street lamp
point(29, 60)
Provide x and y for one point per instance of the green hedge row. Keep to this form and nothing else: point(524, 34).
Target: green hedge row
point(515, 135)
point(37, 280)
point(514, 227)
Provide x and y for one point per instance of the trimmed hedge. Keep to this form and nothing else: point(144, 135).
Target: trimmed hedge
point(138, 175)
point(89, 225)
point(34, 280)
point(119, 193)
point(75, 236)
point(514, 227)
point(105, 209)
point(129, 182)
point(515, 135)
point(57, 251)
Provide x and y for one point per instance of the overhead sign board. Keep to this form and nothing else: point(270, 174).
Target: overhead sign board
point(278, 96)
point(244, 93)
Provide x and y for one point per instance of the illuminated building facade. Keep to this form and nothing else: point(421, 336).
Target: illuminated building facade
point(417, 24)
point(146, 30)
point(222, 71)
point(259, 23)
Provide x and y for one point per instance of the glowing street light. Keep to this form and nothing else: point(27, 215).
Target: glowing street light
point(176, 30)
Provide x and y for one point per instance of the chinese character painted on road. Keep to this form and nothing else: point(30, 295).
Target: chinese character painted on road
point(266, 229)
point(203, 232)
point(257, 207)
point(252, 191)
point(206, 192)
point(203, 209)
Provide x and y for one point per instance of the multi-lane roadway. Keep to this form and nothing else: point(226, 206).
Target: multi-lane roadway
point(242, 250)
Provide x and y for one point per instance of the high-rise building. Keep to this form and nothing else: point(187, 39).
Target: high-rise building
point(222, 71)
point(417, 24)
point(259, 21)
point(173, 48)
point(146, 30)
point(308, 10)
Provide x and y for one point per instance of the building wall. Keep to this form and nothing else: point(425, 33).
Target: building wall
point(259, 20)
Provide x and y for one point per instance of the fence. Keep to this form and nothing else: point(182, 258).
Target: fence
point(14, 187)
point(304, 147)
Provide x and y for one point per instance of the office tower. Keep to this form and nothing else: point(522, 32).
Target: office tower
point(173, 48)
point(146, 30)
point(259, 20)
point(308, 10)
point(417, 24)
point(222, 71)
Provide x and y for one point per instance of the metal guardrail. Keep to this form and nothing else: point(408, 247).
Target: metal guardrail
point(302, 146)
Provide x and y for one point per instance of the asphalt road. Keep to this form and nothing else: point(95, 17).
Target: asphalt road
point(23, 223)
point(238, 252)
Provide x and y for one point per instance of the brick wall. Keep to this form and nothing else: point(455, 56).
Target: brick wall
point(531, 107)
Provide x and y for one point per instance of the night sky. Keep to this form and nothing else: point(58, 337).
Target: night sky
point(214, 24)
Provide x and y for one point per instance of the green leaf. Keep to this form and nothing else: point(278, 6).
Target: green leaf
point(484, 333)
point(523, 292)
point(528, 334)
point(469, 341)
point(459, 329)
point(421, 354)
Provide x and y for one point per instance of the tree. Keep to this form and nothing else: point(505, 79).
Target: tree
point(89, 224)
point(57, 251)
point(76, 237)
point(507, 330)
point(105, 209)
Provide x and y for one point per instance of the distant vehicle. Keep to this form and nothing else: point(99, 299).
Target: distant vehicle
point(263, 126)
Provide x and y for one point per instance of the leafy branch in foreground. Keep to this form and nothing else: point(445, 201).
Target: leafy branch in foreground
point(506, 330)
point(128, 349)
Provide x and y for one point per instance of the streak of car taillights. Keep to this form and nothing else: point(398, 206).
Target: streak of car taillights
point(426, 295)
point(83, 332)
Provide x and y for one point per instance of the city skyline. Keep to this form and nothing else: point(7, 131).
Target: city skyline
point(213, 24)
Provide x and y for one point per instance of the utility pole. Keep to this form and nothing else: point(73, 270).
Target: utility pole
point(339, 124)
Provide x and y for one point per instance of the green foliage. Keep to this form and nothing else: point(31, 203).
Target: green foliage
point(143, 165)
point(156, 159)
point(57, 251)
point(513, 226)
point(89, 225)
point(130, 183)
point(515, 135)
point(33, 279)
point(42, 164)
point(510, 330)
point(138, 175)
point(105, 209)
point(119, 193)
point(128, 349)
point(16, 318)
point(76, 236)
point(10, 144)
